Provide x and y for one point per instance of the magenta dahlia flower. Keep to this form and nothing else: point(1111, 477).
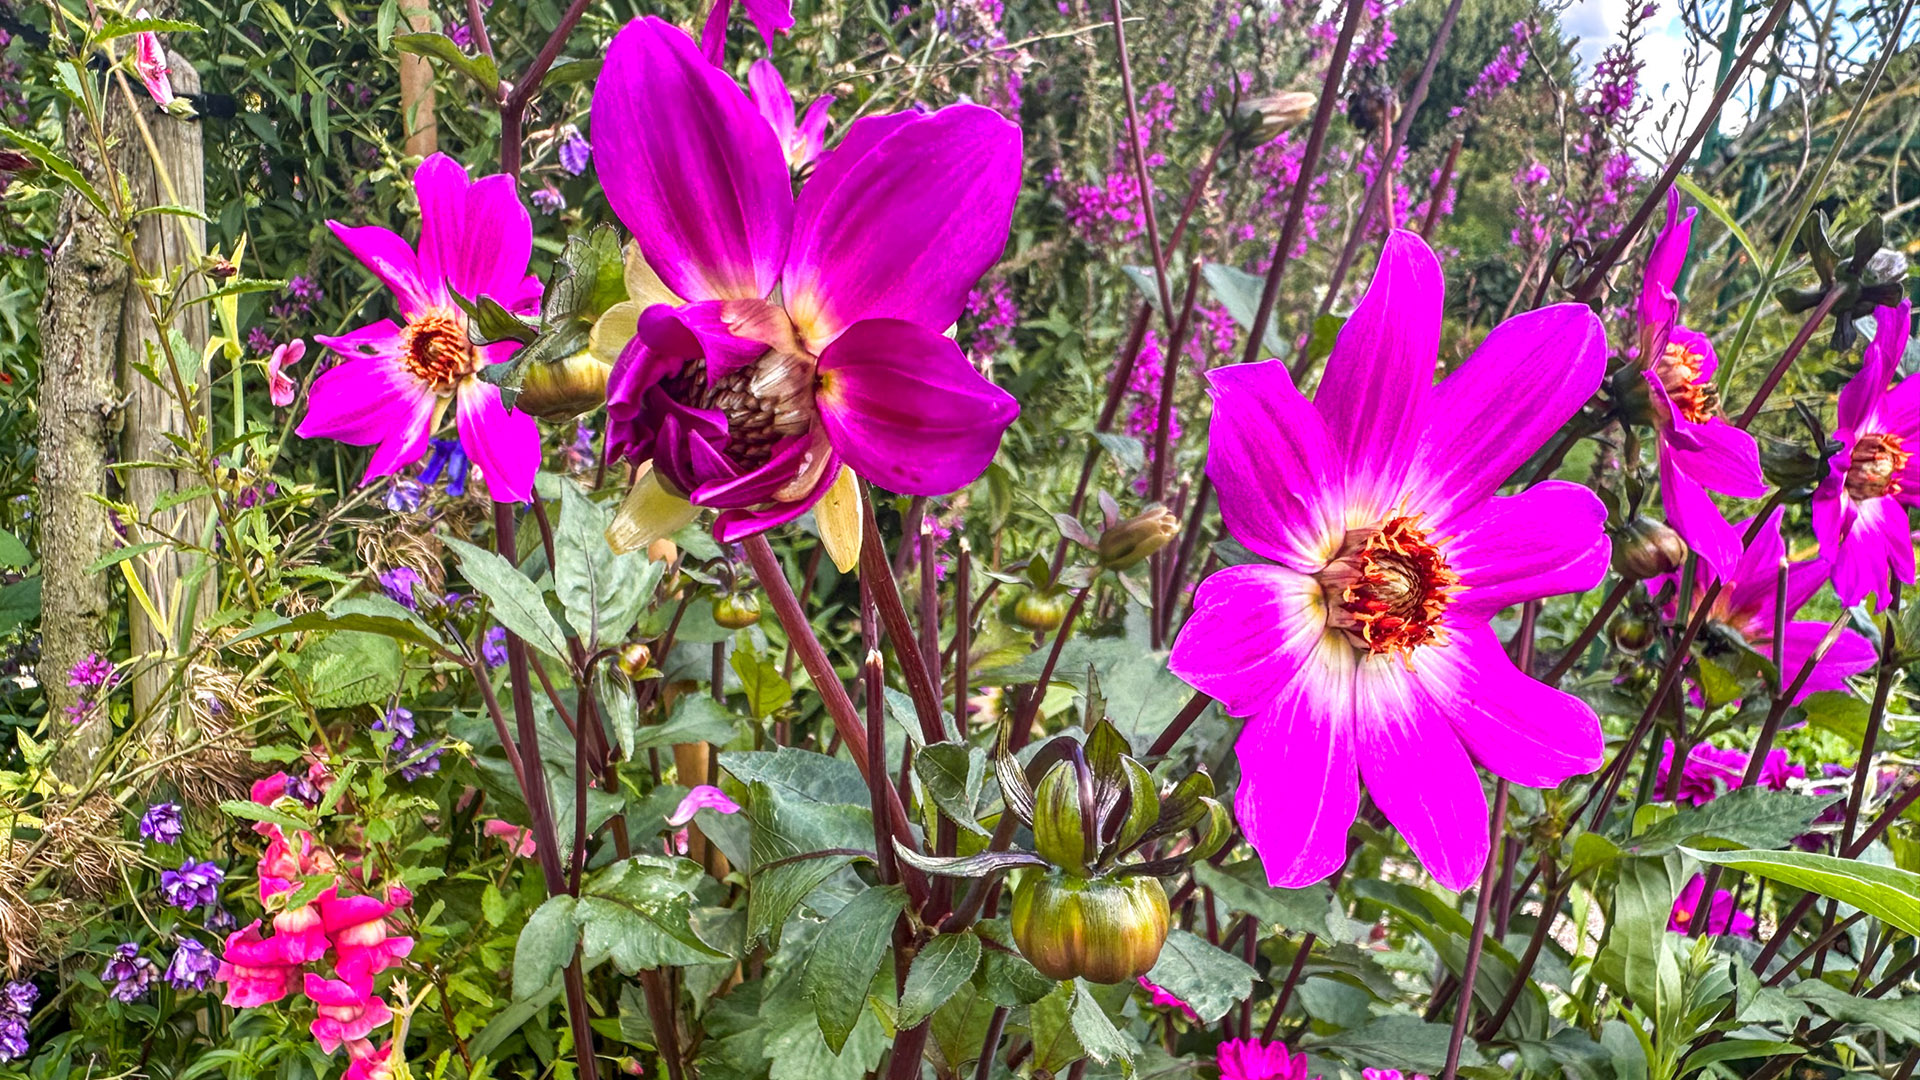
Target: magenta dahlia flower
point(1860, 509)
point(1711, 771)
point(751, 404)
point(770, 17)
point(1254, 1059)
point(1698, 449)
point(1747, 602)
point(1364, 646)
point(394, 382)
point(801, 140)
point(1722, 916)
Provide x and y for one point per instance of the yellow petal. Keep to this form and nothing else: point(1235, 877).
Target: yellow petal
point(613, 329)
point(644, 287)
point(648, 513)
point(837, 515)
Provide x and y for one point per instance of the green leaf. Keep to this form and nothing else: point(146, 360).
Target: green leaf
point(1720, 213)
point(844, 957)
point(1243, 888)
point(1050, 1025)
point(1754, 817)
point(601, 592)
point(1102, 1041)
point(979, 864)
point(1898, 1017)
point(788, 832)
point(546, 945)
point(638, 912)
point(1326, 330)
point(953, 775)
point(1642, 906)
point(253, 811)
point(1239, 293)
point(1011, 981)
point(1128, 452)
point(767, 691)
point(696, 718)
point(1209, 979)
point(489, 322)
point(799, 773)
point(115, 27)
point(938, 972)
point(1407, 1043)
point(119, 555)
point(1734, 1050)
point(567, 72)
point(517, 602)
point(1887, 893)
point(348, 667)
point(481, 69)
point(14, 554)
point(19, 603)
point(365, 614)
point(57, 165)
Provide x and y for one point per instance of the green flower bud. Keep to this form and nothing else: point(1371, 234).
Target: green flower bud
point(634, 658)
point(1632, 630)
point(1059, 820)
point(736, 611)
point(1139, 536)
point(1645, 548)
point(565, 388)
point(1037, 611)
point(1107, 930)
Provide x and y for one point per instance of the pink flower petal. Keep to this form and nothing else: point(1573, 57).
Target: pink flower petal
point(690, 167)
point(904, 407)
point(505, 444)
point(150, 62)
point(903, 226)
point(280, 388)
point(475, 236)
point(1516, 726)
point(372, 402)
point(1692, 513)
point(395, 264)
point(1299, 787)
point(1415, 768)
point(1252, 629)
point(701, 797)
point(1273, 461)
point(1545, 541)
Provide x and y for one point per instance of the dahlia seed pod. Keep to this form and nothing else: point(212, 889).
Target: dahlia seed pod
point(1106, 930)
point(1037, 611)
point(1644, 548)
point(736, 611)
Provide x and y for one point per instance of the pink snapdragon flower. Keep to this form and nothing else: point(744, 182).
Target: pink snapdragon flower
point(280, 387)
point(1162, 998)
point(255, 969)
point(150, 63)
point(1363, 650)
point(1746, 604)
point(1860, 509)
point(358, 929)
point(301, 932)
point(702, 797)
point(801, 141)
point(519, 839)
point(1697, 448)
point(751, 404)
point(1253, 1059)
point(395, 382)
point(370, 1064)
point(1722, 916)
point(347, 1012)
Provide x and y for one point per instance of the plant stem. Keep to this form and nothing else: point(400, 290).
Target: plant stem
point(1614, 597)
point(1463, 1011)
point(1800, 339)
point(1137, 147)
point(1178, 726)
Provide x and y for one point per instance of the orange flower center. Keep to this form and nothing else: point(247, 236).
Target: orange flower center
point(1875, 466)
point(1389, 587)
point(437, 350)
point(1680, 371)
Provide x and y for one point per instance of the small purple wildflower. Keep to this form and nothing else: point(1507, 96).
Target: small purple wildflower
point(404, 495)
point(129, 972)
point(259, 342)
point(195, 884)
point(548, 200)
point(399, 584)
point(398, 720)
point(161, 823)
point(192, 966)
point(18, 998)
point(422, 763)
point(574, 150)
point(95, 670)
point(450, 459)
point(13, 1038)
point(493, 647)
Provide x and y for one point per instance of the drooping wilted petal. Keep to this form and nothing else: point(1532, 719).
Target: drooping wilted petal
point(690, 167)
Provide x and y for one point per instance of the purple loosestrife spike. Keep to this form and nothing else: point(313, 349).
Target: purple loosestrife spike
point(94, 670)
point(1746, 605)
point(1363, 650)
point(752, 405)
point(395, 382)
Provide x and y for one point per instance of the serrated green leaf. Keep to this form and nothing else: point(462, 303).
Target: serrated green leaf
point(516, 601)
point(940, 969)
point(1209, 979)
point(546, 945)
point(845, 956)
point(481, 69)
point(1887, 893)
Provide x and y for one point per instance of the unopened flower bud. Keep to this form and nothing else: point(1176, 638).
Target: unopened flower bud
point(1262, 119)
point(736, 611)
point(221, 269)
point(1139, 536)
point(1059, 833)
point(1632, 631)
point(1037, 611)
point(634, 658)
point(1105, 930)
point(565, 388)
point(631, 1066)
point(13, 161)
point(1645, 548)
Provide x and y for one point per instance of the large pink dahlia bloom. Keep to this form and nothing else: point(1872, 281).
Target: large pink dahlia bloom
point(1860, 509)
point(394, 382)
point(802, 335)
point(1362, 650)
